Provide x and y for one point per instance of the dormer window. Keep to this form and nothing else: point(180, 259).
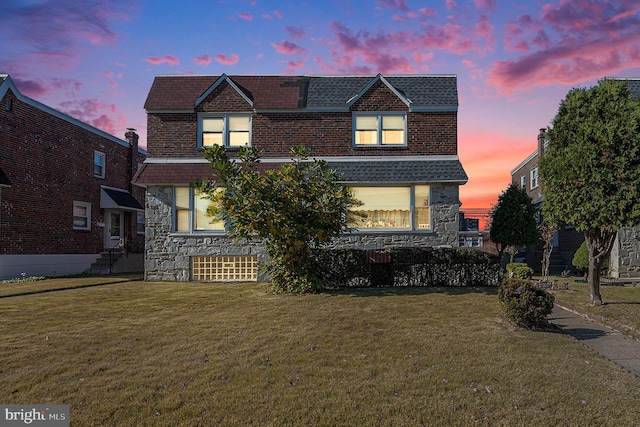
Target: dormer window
point(225, 130)
point(382, 129)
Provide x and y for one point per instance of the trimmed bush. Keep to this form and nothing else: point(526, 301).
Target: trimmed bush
point(519, 270)
point(524, 304)
point(407, 266)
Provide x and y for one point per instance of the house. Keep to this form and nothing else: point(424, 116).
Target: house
point(392, 138)
point(624, 260)
point(66, 196)
point(567, 240)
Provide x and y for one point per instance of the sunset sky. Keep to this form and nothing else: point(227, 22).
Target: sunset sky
point(515, 60)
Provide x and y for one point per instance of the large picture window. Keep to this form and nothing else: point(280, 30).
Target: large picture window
point(379, 129)
point(190, 212)
point(226, 130)
point(393, 208)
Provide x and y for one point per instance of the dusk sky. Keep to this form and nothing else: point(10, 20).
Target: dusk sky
point(515, 60)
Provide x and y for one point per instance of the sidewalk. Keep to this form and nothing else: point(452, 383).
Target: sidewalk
point(611, 344)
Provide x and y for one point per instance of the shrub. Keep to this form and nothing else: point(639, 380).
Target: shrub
point(519, 270)
point(581, 261)
point(408, 266)
point(524, 304)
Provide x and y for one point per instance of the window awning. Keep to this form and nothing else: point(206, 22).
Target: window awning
point(113, 198)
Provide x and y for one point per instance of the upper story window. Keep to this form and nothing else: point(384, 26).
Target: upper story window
point(225, 130)
point(523, 182)
point(382, 129)
point(534, 178)
point(191, 212)
point(394, 208)
point(98, 164)
point(81, 216)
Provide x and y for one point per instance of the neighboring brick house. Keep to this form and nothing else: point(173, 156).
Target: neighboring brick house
point(624, 261)
point(392, 138)
point(567, 240)
point(66, 193)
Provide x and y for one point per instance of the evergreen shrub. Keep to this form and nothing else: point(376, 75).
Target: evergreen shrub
point(408, 266)
point(524, 304)
point(519, 270)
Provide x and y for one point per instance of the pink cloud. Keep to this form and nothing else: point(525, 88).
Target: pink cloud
point(468, 63)
point(245, 16)
point(227, 60)
point(451, 4)
point(294, 66)
point(582, 40)
point(485, 4)
point(57, 31)
point(420, 57)
point(169, 59)
point(426, 11)
point(294, 32)
point(31, 88)
point(92, 111)
point(203, 60)
point(277, 14)
point(288, 48)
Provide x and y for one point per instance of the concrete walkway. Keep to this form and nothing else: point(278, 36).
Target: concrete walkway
point(611, 344)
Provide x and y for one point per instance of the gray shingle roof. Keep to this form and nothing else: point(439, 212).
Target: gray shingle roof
point(300, 92)
point(401, 171)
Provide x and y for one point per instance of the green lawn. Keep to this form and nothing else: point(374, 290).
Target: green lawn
point(621, 303)
point(142, 353)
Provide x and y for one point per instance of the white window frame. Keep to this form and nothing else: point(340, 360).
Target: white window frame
point(87, 217)
point(103, 166)
point(379, 116)
point(534, 178)
point(523, 182)
point(413, 226)
point(225, 128)
point(191, 215)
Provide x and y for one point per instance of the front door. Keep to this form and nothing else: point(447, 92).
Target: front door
point(113, 236)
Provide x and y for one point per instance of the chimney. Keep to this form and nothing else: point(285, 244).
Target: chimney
point(132, 137)
point(542, 136)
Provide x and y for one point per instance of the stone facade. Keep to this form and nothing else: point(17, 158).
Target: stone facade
point(168, 254)
point(625, 255)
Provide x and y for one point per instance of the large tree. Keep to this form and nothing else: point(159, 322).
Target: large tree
point(591, 168)
point(513, 220)
point(292, 209)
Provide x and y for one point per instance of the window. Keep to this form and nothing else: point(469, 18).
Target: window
point(523, 182)
point(379, 129)
point(140, 222)
point(81, 216)
point(191, 212)
point(227, 131)
point(534, 178)
point(98, 164)
point(393, 208)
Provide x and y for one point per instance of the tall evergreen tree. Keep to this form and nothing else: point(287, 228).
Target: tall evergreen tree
point(513, 220)
point(591, 168)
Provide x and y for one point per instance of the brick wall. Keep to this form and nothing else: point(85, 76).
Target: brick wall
point(50, 164)
point(326, 133)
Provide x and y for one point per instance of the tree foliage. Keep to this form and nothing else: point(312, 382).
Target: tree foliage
point(513, 220)
point(292, 209)
point(591, 168)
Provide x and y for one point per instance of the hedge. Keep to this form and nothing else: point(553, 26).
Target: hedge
point(347, 268)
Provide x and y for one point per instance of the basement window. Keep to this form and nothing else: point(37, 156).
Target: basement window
point(224, 268)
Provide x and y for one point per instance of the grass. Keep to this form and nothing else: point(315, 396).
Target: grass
point(621, 303)
point(30, 287)
point(143, 353)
